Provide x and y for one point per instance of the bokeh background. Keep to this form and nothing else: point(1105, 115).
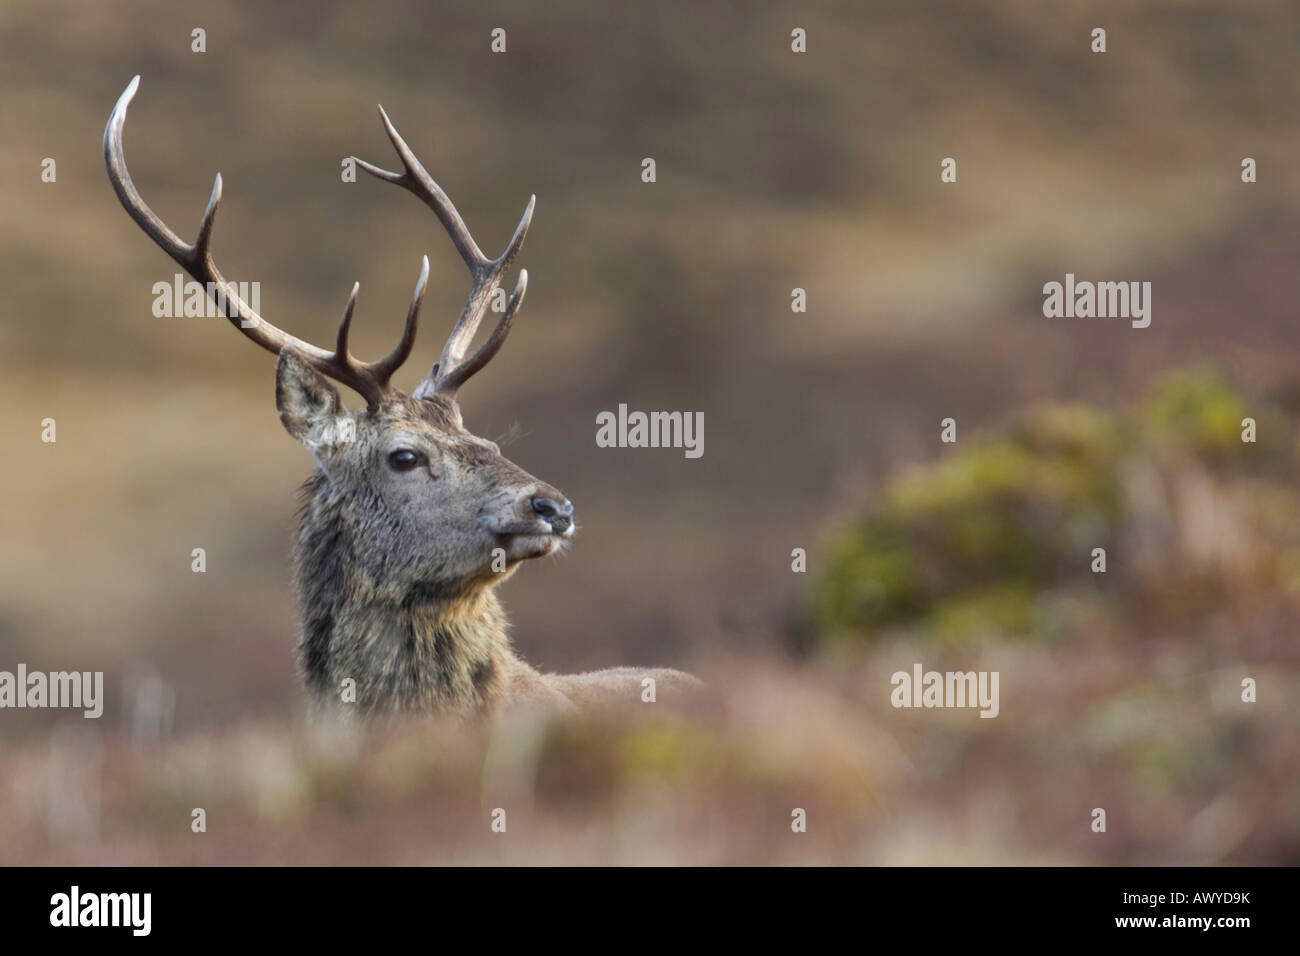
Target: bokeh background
point(775, 171)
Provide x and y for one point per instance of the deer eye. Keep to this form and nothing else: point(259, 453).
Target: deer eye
point(404, 459)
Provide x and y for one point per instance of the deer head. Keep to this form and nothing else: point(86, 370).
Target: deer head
point(424, 504)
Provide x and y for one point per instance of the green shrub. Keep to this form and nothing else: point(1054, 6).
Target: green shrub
point(973, 543)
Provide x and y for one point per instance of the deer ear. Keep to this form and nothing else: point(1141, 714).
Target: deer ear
point(308, 404)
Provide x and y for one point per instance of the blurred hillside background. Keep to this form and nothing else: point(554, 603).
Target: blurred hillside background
point(775, 171)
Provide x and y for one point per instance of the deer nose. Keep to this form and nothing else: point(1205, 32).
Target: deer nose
point(558, 514)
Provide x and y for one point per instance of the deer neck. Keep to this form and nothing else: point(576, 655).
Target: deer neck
point(409, 646)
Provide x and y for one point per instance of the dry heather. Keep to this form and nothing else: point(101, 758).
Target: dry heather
point(1186, 773)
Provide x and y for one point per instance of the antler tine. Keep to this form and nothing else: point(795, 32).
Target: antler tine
point(416, 179)
point(345, 326)
point(476, 303)
point(370, 380)
point(450, 383)
point(485, 273)
point(391, 362)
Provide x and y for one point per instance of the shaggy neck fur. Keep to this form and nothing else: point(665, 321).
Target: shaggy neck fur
point(409, 645)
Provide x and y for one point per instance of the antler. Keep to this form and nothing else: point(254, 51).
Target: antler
point(369, 379)
point(453, 368)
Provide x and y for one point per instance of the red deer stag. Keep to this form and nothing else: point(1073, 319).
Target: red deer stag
point(407, 512)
